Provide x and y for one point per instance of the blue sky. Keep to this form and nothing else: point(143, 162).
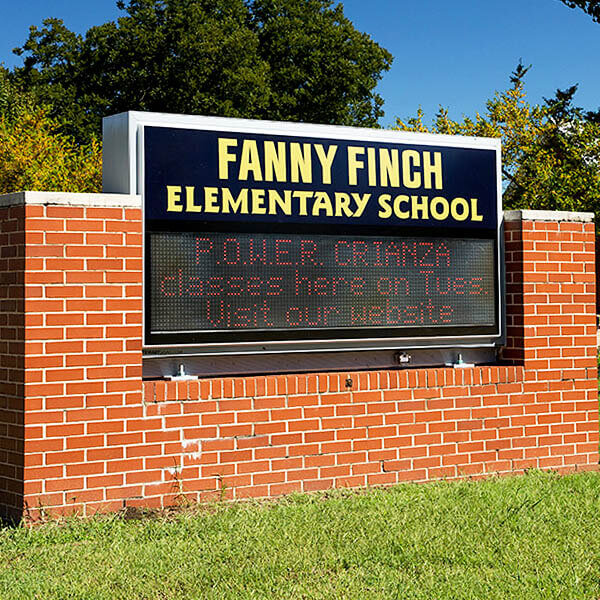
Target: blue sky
point(450, 52)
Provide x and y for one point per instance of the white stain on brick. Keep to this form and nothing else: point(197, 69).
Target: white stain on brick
point(195, 449)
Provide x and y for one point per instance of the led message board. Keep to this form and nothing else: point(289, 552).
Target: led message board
point(272, 236)
point(218, 282)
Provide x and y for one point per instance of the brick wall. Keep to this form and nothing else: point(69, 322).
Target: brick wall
point(98, 437)
point(265, 436)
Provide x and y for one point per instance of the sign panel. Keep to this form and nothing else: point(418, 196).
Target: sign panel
point(273, 236)
point(220, 176)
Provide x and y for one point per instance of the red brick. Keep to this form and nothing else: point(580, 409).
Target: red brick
point(54, 375)
point(85, 414)
point(65, 484)
point(104, 372)
point(281, 489)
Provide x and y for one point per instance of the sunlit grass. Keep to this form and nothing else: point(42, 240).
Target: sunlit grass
point(536, 536)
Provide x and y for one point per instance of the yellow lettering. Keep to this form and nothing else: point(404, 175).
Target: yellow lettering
point(258, 202)
point(300, 162)
point(285, 203)
point(326, 160)
point(189, 200)
point(239, 204)
point(386, 209)
point(303, 198)
point(250, 161)
point(459, 216)
point(354, 164)
point(361, 203)
point(173, 198)
point(420, 206)
point(410, 159)
point(210, 200)
point(475, 216)
point(225, 157)
point(388, 167)
point(322, 202)
point(342, 205)
point(398, 200)
point(439, 207)
point(430, 169)
point(372, 166)
point(275, 161)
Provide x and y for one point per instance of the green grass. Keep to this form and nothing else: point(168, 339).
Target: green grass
point(536, 536)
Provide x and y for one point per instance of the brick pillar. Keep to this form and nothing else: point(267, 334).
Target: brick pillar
point(83, 363)
point(551, 324)
point(551, 291)
point(12, 335)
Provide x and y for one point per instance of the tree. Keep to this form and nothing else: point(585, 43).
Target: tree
point(13, 102)
point(299, 60)
point(550, 152)
point(35, 155)
point(591, 7)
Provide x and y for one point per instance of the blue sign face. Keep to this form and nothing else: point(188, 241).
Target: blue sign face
point(210, 176)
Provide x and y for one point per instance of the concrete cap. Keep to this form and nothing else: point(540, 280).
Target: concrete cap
point(548, 215)
point(71, 199)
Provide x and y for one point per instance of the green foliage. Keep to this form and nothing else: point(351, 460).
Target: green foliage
point(550, 152)
point(298, 60)
point(13, 102)
point(528, 538)
point(35, 155)
point(591, 7)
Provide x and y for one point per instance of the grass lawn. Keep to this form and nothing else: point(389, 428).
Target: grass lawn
point(536, 536)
